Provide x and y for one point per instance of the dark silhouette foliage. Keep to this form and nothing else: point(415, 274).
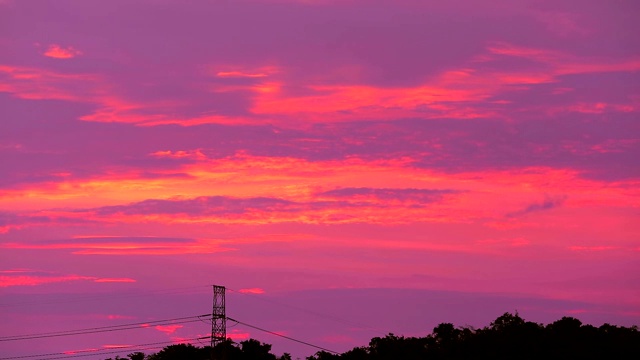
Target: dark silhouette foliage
point(507, 337)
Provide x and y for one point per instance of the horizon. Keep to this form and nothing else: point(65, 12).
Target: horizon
point(344, 168)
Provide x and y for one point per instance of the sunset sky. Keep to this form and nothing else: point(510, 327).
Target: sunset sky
point(347, 168)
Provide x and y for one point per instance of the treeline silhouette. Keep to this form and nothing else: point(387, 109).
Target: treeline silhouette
point(507, 337)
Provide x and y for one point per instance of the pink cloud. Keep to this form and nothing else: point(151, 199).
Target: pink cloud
point(111, 346)
point(34, 278)
point(593, 248)
point(240, 74)
point(237, 335)
point(119, 317)
point(29, 280)
point(58, 52)
point(115, 280)
point(79, 351)
point(42, 84)
point(195, 154)
point(255, 291)
point(168, 329)
point(535, 54)
point(130, 247)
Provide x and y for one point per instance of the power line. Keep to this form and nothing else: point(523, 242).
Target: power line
point(97, 352)
point(180, 320)
point(283, 336)
point(314, 313)
point(172, 321)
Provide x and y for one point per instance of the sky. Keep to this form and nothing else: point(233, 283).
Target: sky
point(346, 168)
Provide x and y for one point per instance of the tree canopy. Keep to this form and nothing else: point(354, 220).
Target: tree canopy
point(507, 337)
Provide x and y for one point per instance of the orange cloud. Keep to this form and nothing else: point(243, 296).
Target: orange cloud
point(58, 52)
point(455, 93)
point(195, 154)
point(129, 247)
point(237, 335)
point(119, 317)
point(232, 74)
point(255, 291)
point(41, 84)
point(542, 55)
point(244, 189)
point(460, 92)
point(33, 278)
point(108, 346)
point(168, 329)
point(593, 248)
point(364, 100)
point(73, 352)
point(30, 280)
point(115, 280)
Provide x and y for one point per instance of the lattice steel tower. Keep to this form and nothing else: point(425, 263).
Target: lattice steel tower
point(219, 317)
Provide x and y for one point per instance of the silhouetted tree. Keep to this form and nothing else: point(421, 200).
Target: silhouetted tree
point(358, 353)
point(507, 337)
point(136, 356)
point(180, 352)
point(255, 350)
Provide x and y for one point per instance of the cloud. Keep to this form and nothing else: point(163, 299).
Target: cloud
point(229, 206)
point(238, 335)
point(593, 248)
point(233, 74)
point(168, 329)
point(115, 280)
point(180, 154)
point(388, 194)
point(125, 246)
point(201, 206)
point(30, 280)
point(58, 52)
point(22, 277)
point(548, 204)
point(337, 206)
point(255, 291)
point(43, 84)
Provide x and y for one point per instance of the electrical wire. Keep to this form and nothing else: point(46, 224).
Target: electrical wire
point(132, 326)
point(139, 325)
point(180, 320)
point(283, 336)
point(314, 313)
point(99, 352)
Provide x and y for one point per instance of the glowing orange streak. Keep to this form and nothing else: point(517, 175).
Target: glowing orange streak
point(332, 99)
point(246, 176)
point(127, 248)
point(24, 280)
point(30, 280)
point(239, 74)
point(58, 52)
point(453, 87)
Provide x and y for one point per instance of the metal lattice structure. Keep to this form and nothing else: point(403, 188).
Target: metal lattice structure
point(219, 317)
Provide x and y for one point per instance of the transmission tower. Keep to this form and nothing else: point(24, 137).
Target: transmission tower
point(219, 317)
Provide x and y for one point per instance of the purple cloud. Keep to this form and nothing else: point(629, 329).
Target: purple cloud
point(413, 195)
point(548, 204)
